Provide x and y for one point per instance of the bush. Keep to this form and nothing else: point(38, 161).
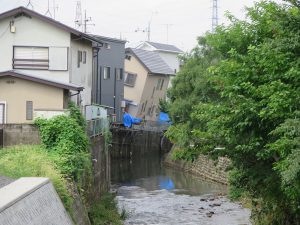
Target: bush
point(67, 144)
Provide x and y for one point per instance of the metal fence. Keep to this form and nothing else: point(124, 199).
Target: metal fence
point(97, 126)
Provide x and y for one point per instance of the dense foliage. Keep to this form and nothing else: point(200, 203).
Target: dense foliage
point(238, 95)
point(33, 161)
point(67, 144)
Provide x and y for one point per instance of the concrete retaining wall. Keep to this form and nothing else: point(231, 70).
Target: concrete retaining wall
point(203, 166)
point(101, 167)
point(126, 143)
point(17, 134)
point(32, 201)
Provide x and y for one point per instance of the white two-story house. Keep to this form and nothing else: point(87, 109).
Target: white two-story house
point(42, 63)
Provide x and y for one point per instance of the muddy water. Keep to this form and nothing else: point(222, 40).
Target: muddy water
point(153, 194)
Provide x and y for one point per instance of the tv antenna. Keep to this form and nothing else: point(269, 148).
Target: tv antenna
point(29, 5)
point(215, 18)
point(78, 17)
point(147, 29)
point(86, 22)
point(48, 10)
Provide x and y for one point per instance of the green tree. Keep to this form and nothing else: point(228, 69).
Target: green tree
point(239, 90)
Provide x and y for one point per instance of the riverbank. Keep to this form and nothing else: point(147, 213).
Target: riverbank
point(203, 166)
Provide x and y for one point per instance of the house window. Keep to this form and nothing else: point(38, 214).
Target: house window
point(25, 57)
point(128, 57)
point(153, 92)
point(79, 58)
point(145, 106)
point(130, 79)
point(29, 110)
point(84, 57)
point(162, 84)
point(158, 84)
point(106, 73)
point(119, 74)
point(107, 46)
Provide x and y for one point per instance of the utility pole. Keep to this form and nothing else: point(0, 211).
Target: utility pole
point(148, 28)
point(78, 17)
point(168, 26)
point(215, 18)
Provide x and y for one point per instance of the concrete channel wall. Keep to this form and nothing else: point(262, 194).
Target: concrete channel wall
point(126, 143)
point(203, 166)
point(32, 201)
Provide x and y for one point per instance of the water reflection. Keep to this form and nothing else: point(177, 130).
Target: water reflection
point(147, 172)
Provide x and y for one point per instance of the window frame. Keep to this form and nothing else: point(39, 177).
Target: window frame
point(84, 57)
point(119, 76)
point(29, 111)
point(106, 76)
point(30, 66)
point(131, 84)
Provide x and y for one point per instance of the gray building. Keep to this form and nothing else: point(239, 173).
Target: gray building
point(108, 78)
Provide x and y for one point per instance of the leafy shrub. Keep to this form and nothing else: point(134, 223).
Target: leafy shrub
point(67, 145)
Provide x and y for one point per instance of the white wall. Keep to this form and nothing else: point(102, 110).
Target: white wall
point(171, 59)
point(31, 32)
point(82, 75)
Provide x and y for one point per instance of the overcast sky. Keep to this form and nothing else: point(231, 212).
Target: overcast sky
point(186, 19)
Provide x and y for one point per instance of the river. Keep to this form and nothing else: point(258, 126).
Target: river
point(153, 194)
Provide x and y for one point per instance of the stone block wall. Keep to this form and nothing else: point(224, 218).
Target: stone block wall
point(203, 166)
point(17, 134)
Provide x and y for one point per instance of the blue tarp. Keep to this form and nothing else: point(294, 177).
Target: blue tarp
point(128, 120)
point(164, 118)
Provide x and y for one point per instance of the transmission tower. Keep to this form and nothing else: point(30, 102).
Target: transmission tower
point(215, 18)
point(29, 5)
point(48, 10)
point(78, 17)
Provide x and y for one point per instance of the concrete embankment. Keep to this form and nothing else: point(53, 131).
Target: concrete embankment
point(32, 201)
point(203, 166)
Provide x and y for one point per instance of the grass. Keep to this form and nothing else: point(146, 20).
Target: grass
point(105, 212)
point(34, 161)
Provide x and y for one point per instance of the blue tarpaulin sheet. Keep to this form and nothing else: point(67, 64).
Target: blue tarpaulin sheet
point(164, 118)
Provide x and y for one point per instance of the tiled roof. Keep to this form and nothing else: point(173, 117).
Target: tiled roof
point(152, 61)
point(165, 47)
